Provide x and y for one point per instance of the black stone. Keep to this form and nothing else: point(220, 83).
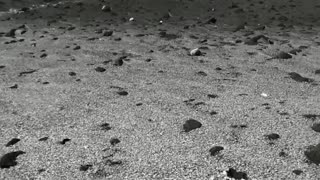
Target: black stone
point(43, 139)
point(313, 154)
point(85, 167)
point(72, 73)
point(77, 48)
point(8, 160)
point(12, 142)
point(107, 33)
point(297, 171)
point(215, 150)
point(316, 127)
point(191, 124)
point(272, 136)
point(100, 69)
point(232, 173)
point(14, 86)
point(105, 126)
point(114, 141)
point(123, 93)
point(297, 77)
point(212, 95)
point(317, 71)
point(311, 116)
point(64, 141)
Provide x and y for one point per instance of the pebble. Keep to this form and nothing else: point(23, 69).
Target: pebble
point(313, 154)
point(195, 52)
point(272, 136)
point(100, 69)
point(316, 127)
point(232, 173)
point(191, 124)
point(12, 142)
point(8, 160)
point(215, 150)
point(114, 141)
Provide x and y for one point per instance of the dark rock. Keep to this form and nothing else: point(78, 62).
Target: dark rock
point(283, 55)
point(212, 20)
point(317, 71)
point(64, 141)
point(313, 154)
point(212, 95)
point(215, 150)
point(14, 86)
point(123, 93)
point(191, 124)
point(313, 117)
point(12, 142)
point(201, 73)
point(272, 136)
point(107, 33)
point(77, 48)
point(213, 113)
point(297, 172)
point(100, 69)
point(8, 160)
point(72, 74)
point(297, 77)
point(232, 173)
point(43, 139)
point(114, 141)
point(26, 72)
point(254, 40)
point(316, 127)
point(119, 61)
point(43, 55)
point(167, 36)
point(85, 167)
point(105, 126)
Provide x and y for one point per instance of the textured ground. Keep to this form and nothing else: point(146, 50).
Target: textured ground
point(87, 94)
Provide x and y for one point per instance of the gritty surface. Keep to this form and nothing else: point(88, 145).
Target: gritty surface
point(80, 102)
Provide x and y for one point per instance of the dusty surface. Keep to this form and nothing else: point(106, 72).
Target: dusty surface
point(77, 104)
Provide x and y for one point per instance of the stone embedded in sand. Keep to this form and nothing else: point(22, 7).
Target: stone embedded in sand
point(8, 160)
point(64, 141)
point(114, 141)
point(195, 52)
point(212, 20)
point(105, 126)
point(72, 74)
point(119, 61)
point(107, 33)
point(77, 48)
point(297, 172)
point(123, 93)
point(313, 154)
point(106, 8)
point(272, 136)
point(191, 124)
point(44, 139)
point(215, 150)
point(167, 36)
point(212, 95)
point(100, 69)
point(213, 112)
point(14, 86)
point(297, 77)
point(232, 173)
point(43, 55)
point(12, 142)
point(254, 40)
point(85, 167)
point(316, 127)
point(317, 71)
point(201, 73)
point(313, 117)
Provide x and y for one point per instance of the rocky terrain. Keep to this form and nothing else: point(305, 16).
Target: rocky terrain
point(172, 89)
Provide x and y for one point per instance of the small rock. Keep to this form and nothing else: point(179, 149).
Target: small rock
point(107, 33)
point(119, 61)
point(215, 150)
point(14, 86)
point(105, 126)
point(272, 136)
point(297, 77)
point(316, 127)
point(123, 93)
point(317, 71)
point(43, 55)
point(100, 69)
point(212, 20)
point(297, 172)
point(313, 154)
point(106, 8)
point(85, 167)
point(195, 52)
point(191, 124)
point(8, 160)
point(232, 173)
point(43, 139)
point(12, 142)
point(64, 141)
point(114, 141)
point(72, 74)
point(77, 48)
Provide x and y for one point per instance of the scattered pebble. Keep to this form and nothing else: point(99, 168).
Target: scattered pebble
point(232, 173)
point(215, 150)
point(297, 172)
point(64, 141)
point(316, 127)
point(114, 141)
point(12, 142)
point(272, 136)
point(195, 52)
point(105, 126)
point(313, 154)
point(298, 78)
point(100, 69)
point(191, 124)
point(8, 160)
point(85, 167)
point(123, 93)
